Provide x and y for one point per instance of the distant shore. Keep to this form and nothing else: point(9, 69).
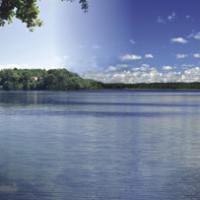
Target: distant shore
point(154, 86)
point(64, 80)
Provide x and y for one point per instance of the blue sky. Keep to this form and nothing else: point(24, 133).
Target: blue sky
point(116, 41)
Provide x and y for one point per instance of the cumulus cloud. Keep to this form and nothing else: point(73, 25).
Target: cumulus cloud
point(134, 57)
point(181, 56)
point(196, 55)
point(147, 74)
point(167, 68)
point(144, 66)
point(179, 40)
point(191, 75)
point(194, 35)
point(149, 55)
point(118, 67)
point(130, 57)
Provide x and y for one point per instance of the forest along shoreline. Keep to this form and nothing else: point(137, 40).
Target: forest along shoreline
point(62, 80)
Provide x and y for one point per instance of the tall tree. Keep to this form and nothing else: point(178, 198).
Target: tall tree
point(25, 10)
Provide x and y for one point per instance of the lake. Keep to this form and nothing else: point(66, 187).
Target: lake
point(100, 145)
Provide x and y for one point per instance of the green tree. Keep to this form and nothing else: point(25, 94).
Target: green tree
point(25, 10)
point(38, 79)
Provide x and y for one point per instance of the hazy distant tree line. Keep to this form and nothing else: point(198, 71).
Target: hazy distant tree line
point(149, 86)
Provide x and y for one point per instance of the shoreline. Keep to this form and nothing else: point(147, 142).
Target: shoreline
point(110, 90)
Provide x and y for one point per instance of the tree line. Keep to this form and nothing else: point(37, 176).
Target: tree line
point(152, 86)
point(39, 79)
point(62, 79)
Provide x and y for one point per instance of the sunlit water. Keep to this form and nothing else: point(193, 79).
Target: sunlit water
point(103, 145)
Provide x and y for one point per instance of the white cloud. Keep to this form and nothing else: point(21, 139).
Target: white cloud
point(172, 16)
point(167, 68)
point(197, 36)
point(132, 41)
point(147, 74)
point(179, 40)
point(130, 57)
point(196, 55)
point(145, 66)
point(111, 68)
point(118, 67)
point(134, 57)
point(181, 56)
point(190, 75)
point(149, 55)
point(194, 35)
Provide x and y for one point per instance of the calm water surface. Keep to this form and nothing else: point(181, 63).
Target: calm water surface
point(105, 145)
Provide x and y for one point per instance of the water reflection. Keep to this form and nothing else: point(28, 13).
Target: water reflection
point(74, 145)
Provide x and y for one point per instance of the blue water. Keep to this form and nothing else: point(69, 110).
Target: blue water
point(100, 145)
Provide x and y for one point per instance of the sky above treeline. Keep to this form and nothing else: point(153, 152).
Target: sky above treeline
point(115, 41)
